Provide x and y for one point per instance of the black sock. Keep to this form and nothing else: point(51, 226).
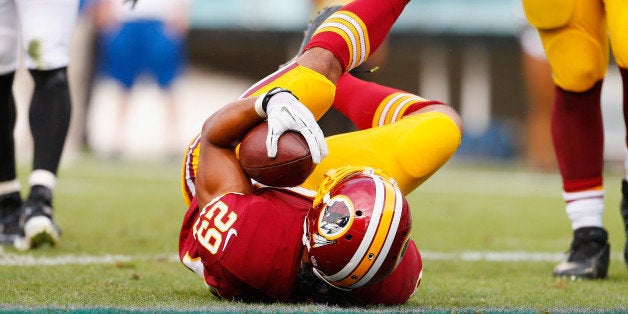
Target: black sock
point(49, 117)
point(7, 125)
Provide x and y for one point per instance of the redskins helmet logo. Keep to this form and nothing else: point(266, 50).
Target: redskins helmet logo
point(336, 218)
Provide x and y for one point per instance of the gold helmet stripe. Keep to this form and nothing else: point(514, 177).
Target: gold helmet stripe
point(369, 236)
point(390, 237)
point(376, 242)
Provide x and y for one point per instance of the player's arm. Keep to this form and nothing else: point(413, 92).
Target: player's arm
point(219, 170)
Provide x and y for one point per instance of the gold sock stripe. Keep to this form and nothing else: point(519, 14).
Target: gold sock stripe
point(392, 108)
point(352, 29)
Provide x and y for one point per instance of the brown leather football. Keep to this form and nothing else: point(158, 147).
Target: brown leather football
point(290, 167)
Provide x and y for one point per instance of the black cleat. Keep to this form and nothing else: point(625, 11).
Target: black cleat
point(313, 25)
point(624, 214)
point(10, 217)
point(588, 255)
point(38, 227)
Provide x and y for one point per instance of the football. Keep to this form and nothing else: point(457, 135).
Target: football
point(290, 167)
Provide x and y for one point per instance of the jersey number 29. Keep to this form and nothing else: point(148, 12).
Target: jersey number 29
point(211, 225)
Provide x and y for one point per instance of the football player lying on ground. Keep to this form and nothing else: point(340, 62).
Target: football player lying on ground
point(343, 236)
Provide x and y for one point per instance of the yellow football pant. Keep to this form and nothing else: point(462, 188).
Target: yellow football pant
point(575, 36)
point(409, 150)
point(311, 88)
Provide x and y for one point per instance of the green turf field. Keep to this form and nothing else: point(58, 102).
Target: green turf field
point(490, 238)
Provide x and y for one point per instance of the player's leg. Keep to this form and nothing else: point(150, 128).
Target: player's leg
point(624, 186)
point(10, 200)
point(165, 61)
point(311, 87)
point(401, 133)
point(577, 49)
point(409, 150)
point(369, 104)
point(123, 57)
point(46, 33)
point(356, 30)
point(617, 19)
point(351, 34)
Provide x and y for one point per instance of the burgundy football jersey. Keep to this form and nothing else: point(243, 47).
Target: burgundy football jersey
point(246, 247)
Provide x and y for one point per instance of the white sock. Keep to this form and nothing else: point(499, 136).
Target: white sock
point(585, 208)
point(7, 187)
point(42, 177)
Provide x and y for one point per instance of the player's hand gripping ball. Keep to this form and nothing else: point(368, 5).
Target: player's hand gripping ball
point(292, 165)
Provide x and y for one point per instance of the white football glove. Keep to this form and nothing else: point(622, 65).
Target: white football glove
point(286, 113)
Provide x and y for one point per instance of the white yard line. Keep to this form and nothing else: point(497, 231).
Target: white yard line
point(13, 259)
point(29, 260)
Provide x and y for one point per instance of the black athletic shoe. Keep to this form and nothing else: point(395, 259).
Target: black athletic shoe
point(38, 227)
point(313, 25)
point(624, 214)
point(588, 255)
point(10, 217)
